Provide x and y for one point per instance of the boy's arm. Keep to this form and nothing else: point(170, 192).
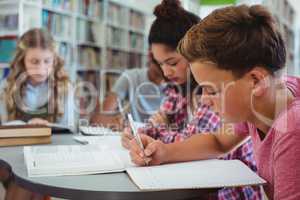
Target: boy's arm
point(197, 147)
point(110, 103)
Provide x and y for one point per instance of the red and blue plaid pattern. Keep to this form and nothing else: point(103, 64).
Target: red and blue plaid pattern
point(204, 121)
point(243, 153)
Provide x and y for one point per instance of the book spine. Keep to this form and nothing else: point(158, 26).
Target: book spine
point(5, 142)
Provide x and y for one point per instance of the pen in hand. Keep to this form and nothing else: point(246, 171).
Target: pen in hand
point(121, 109)
point(137, 136)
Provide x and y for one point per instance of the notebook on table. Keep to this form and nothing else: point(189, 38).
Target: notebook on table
point(93, 159)
point(194, 175)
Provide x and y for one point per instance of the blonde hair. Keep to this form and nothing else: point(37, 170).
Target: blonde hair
point(35, 38)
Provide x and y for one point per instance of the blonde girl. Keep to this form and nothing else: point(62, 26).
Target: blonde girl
point(36, 90)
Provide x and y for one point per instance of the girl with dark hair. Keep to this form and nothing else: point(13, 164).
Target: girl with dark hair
point(179, 118)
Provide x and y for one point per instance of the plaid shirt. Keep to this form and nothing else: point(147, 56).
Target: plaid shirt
point(204, 120)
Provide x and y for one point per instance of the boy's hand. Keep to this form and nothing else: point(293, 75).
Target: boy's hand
point(38, 121)
point(155, 152)
point(126, 138)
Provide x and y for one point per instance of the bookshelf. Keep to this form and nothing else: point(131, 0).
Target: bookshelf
point(284, 14)
point(90, 35)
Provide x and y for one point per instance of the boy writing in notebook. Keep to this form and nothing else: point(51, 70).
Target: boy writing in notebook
point(181, 115)
point(237, 55)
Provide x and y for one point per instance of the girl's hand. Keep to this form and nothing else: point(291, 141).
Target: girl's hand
point(158, 119)
point(155, 152)
point(38, 121)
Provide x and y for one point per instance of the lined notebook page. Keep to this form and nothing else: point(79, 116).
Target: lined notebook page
point(71, 160)
point(112, 143)
point(192, 175)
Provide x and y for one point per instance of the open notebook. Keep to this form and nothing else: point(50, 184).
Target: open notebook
point(99, 158)
point(55, 128)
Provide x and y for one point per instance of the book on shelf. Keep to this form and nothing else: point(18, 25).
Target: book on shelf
point(108, 156)
point(97, 33)
point(65, 51)
point(115, 37)
point(116, 14)
point(60, 4)
point(136, 20)
point(135, 60)
point(91, 8)
point(58, 25)
point(88, 31)
point(13, 135)
point(89, 57)
point(8, 47)
point(9, 22)
point(117, 59)
point(136, 41)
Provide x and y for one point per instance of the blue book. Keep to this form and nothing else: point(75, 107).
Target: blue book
point(7, 49)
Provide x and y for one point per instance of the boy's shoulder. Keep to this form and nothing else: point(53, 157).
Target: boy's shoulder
point(289, 120)
point(293, 83)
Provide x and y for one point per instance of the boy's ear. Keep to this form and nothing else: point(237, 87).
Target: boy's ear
point(260, 81)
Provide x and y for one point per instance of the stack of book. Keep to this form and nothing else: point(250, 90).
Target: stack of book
point(14, 135)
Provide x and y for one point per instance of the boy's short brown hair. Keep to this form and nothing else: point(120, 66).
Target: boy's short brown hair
point(236, 38)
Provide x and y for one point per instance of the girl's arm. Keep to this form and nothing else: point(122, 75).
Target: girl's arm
point(110, 104)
